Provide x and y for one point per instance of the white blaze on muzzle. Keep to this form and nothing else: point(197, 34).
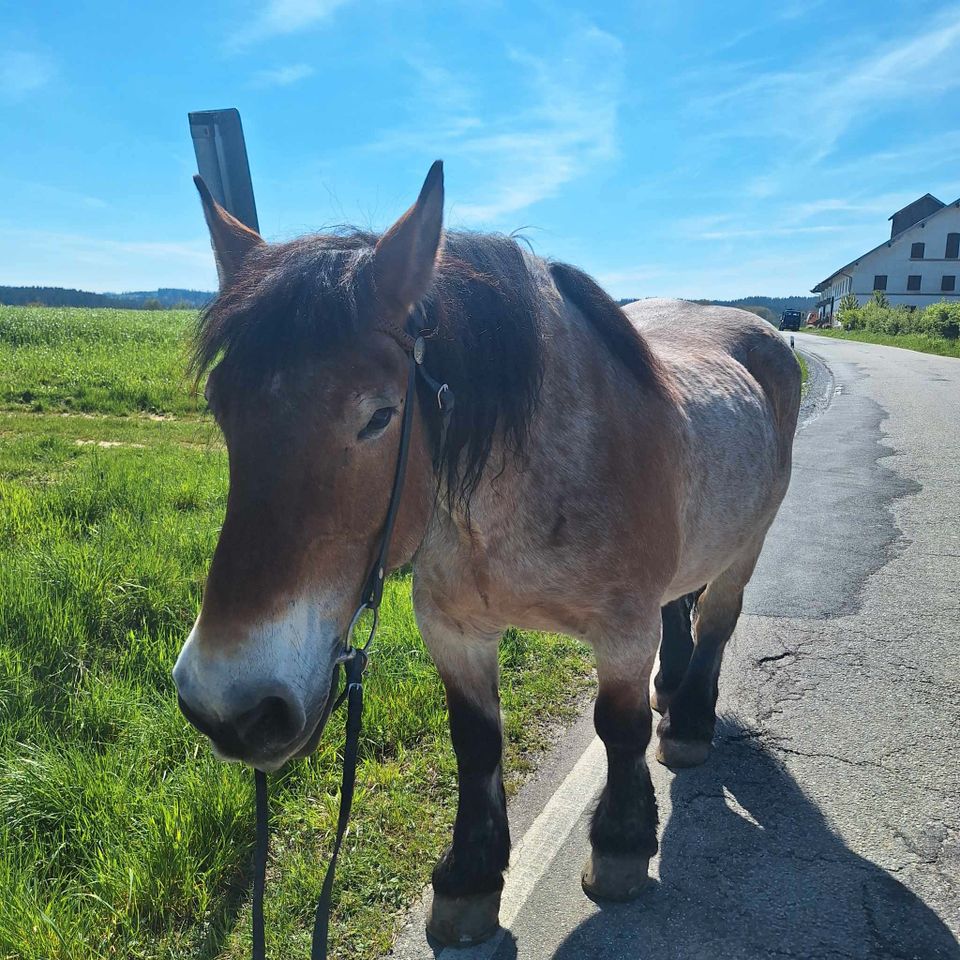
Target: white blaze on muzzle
point(260, 695)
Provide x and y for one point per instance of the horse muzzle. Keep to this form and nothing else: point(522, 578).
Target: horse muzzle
point(266, 729)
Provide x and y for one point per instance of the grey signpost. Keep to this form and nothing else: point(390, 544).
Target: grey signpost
point(222, 161)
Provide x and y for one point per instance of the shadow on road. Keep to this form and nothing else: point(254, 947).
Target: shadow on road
point(750, 869)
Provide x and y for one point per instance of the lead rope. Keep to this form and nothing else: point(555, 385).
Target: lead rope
point(260, 863)
point(355, 663)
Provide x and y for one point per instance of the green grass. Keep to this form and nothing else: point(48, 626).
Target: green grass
point(120, 835)
point(105, 361)
point(908, 341)
point(804, 372)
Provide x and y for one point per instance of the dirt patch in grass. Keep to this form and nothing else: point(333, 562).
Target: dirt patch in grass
point(108, 444)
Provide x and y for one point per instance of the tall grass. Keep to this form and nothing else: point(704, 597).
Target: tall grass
point(100, 360)
point(120, 836)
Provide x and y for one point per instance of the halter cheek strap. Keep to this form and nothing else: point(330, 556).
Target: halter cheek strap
point(354, 658)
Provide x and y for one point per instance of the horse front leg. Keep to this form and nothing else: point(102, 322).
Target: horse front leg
point(468, 879)
point(623, 832)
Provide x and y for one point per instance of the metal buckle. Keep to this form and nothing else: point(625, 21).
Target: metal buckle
point(349, 650)
point(445, 398)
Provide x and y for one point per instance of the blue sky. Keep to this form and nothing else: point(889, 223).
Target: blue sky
point(670, 148)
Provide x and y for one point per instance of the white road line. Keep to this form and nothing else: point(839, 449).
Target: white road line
point(540, 845)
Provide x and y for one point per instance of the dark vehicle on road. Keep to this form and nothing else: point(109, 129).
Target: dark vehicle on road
point(790, 320)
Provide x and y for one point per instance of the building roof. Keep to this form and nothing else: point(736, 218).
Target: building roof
point(926, 196)
point(823, 284)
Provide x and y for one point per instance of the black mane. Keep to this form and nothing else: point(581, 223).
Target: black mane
point(486, 307)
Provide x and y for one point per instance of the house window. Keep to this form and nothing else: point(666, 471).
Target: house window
point(916, 251)
point(953, 246)
point(948, 284)
point(913, 282)
point(880, 281)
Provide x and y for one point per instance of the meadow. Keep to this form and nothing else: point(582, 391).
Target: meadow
point(120, 835)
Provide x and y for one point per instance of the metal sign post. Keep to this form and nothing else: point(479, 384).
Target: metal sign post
point(222, 162)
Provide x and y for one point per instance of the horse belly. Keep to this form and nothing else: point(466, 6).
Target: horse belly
point(734, 483)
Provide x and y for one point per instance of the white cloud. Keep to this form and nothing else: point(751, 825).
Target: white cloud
point(797, 9)
point(630, 278)
point(813, 108)
point(49, 195)
point(283, 76)
point(870, 209)
point(557, 122)
point(442, 87)
point(800, 194)
point(22, 72)
point(720, 277)
point(906, 159)
point(41, 257)
point(279, 17)
point(760, 233)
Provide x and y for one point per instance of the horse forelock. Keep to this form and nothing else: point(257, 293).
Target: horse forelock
point(294, 302)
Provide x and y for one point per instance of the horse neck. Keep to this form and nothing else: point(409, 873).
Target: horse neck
point(588, 402)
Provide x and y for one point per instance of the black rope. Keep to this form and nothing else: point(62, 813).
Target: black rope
point(354, 690)
point(353, 694)
point(260, 864)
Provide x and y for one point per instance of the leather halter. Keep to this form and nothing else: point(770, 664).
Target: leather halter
point(354, 658)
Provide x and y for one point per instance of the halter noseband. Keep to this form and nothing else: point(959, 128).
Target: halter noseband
point(413, 341)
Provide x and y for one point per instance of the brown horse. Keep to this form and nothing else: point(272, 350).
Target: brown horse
point(600, 465)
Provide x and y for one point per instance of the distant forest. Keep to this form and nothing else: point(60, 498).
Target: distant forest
point(769, 308)
point(163, 299)
point(167, 298)
point(776, 304)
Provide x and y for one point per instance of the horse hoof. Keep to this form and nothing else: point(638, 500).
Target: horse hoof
point(609, 877)
point(464, 921)
point(680, 754)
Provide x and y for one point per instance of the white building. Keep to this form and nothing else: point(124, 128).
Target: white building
point(917, 266)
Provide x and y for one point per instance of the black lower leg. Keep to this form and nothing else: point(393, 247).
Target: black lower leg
point(693, 708)
point(625, 820)
point(474, 863)
point(676, 646)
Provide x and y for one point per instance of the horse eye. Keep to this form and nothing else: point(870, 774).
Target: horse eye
point(378, 422)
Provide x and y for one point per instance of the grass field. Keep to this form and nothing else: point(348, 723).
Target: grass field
point(908, 341)
point(120, 836)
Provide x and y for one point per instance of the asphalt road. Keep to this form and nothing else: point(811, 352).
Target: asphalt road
point(827, 822)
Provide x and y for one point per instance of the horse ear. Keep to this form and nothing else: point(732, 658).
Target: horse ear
point(405, 256)
point(231, 240)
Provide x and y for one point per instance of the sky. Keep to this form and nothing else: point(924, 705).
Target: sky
point(668, 148)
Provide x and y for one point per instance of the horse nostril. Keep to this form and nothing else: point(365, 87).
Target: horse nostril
point(204, 725)
point(269, 728)
point(271, 722)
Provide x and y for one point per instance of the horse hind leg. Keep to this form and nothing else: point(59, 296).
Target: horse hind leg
point(686, 729)
point(676, 648)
